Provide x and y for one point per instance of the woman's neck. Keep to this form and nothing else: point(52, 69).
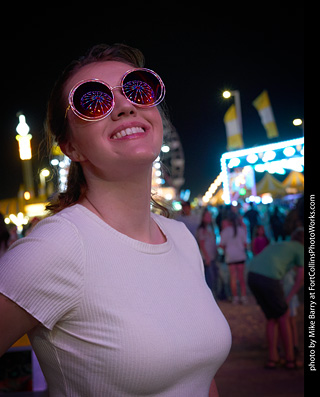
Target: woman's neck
point(125, 206)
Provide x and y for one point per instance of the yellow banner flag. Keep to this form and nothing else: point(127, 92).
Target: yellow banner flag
point(263, 105)
point(56, 151)
point(231, 122)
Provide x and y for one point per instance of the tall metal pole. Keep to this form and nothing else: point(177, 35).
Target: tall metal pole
point(24, 139)
point(237, 103)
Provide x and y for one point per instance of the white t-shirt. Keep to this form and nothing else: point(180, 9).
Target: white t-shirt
point(119, 317)
point(235, 246)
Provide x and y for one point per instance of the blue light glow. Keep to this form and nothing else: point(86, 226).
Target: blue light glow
point(275, 164)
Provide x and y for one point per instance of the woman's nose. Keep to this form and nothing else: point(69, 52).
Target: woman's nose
point(122, 107)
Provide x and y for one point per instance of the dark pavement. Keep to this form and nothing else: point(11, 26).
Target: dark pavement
point(243, 373)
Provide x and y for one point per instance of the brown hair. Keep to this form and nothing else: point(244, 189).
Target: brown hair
point(56, 123)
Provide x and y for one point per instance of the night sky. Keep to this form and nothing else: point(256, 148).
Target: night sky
point(197, 54)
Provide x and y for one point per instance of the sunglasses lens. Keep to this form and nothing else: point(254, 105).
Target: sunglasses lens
point(143, 87)
point(92, 100)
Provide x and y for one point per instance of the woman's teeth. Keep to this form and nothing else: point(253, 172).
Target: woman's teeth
point(127, 131)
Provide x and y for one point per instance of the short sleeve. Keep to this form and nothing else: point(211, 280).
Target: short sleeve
point(43, 272)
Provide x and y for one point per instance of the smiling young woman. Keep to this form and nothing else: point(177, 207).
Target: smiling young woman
point(113, 297)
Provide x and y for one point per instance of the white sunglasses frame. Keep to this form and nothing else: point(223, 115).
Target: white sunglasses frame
point(87, 118)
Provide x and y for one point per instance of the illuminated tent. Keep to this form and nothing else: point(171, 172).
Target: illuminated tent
point(269, 184)
point(294, 182)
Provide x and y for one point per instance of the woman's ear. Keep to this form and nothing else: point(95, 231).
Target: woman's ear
point(71, 151)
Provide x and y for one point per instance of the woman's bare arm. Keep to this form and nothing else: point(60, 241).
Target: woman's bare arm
point(15, 322)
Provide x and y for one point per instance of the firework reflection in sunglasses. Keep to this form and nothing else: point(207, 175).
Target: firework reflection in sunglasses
point(93, 100)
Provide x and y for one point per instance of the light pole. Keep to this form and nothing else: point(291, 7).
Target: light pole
point(43, 174)
point(24, 140)
point(299, 123)
point(237, 103)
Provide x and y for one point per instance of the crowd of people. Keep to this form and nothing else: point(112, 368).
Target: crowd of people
point(263, 251)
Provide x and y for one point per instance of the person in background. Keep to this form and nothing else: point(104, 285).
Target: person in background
point(266, 272)
point(207, 242)
point(190, 219)
point(253, 217)
point(233, 209)
point(260, 240)
point(113, 297)
point(234, 242)
point(277, 223)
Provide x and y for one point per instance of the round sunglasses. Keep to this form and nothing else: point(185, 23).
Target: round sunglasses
point(93, 100)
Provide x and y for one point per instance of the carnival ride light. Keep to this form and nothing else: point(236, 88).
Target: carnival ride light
point(289, 151)
point(176, 205)
point(212, 189)
point(297, 164)
point(269, 155)
point(252, 158)
point(267, 198)
point(45, 172)
point(54, 162)
point(63, 172)
point(263, 148)
point(234, 162)
point(20, 220)
point(37, 209)
point(260, 167)
point(165, 148)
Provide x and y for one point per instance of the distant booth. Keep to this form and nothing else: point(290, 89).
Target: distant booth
point(241, 168)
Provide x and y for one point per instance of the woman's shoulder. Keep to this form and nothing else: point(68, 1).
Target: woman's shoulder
point(57, 225)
